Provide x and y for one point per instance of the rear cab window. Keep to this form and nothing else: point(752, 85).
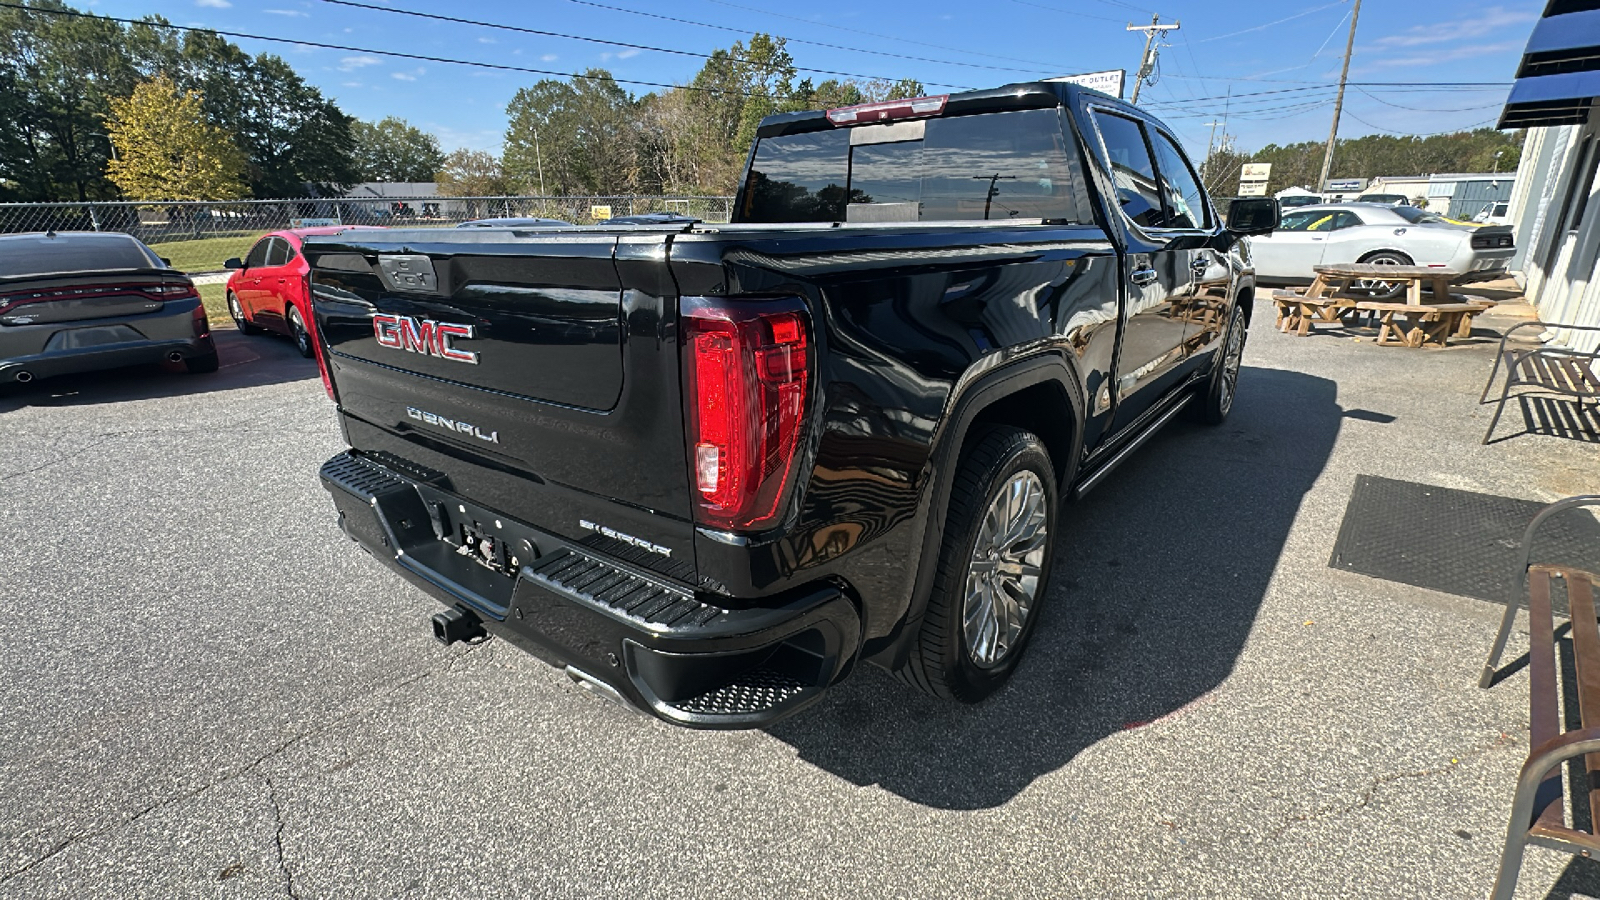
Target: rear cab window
point(984, 167)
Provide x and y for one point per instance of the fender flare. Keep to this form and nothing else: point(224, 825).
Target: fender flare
point(1050, 367)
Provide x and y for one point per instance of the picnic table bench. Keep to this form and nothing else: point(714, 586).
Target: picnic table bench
point(1538, 813)
point(1335, 298)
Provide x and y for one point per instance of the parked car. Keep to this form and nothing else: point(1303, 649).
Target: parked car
point(1385, 199)
point(1336, 234)
point(1494, 214)
point(85, 301)
point(1296, 200)
point(512, 222)
point(655, 218)
point(711, 469)
point(266, 290)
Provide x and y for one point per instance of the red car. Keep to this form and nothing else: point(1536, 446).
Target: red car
point(267, 290)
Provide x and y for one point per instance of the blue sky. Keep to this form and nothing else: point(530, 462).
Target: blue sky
point(1246, 47)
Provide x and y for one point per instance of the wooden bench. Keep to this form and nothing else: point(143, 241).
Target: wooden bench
point(1538, 813)
point(1421, 325)
point(1549, 369)
point(1298, 312)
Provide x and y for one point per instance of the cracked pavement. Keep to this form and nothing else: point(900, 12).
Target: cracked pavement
point(210, 693)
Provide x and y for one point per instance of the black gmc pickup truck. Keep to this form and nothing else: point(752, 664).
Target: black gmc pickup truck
point(710, 468)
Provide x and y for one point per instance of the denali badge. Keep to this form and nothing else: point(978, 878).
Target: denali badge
point(492, 437)
point(423, 336)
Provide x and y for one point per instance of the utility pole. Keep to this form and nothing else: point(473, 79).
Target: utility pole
point(1210, 142)
point(1338, 101)
point(1147, 61)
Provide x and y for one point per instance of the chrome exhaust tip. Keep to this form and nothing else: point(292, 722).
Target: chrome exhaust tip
point(174, 356)
point(24, 377)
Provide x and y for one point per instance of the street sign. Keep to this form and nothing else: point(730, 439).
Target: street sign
point(1104, 82)
point(1256, 172)
point(1347, 184)
point(600, 212)
point(1252, 188)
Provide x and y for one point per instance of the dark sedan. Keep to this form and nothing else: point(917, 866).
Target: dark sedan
point(85, 301)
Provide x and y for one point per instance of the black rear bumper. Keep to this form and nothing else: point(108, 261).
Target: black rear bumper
point(178, 331)
point(618, 629)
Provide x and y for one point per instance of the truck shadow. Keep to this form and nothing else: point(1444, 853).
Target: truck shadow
point(246, 362)
point(1158, 578)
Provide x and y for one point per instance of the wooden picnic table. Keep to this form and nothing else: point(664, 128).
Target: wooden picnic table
point(1333, 298)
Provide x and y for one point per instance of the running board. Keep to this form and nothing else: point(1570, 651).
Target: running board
point(1088, 484)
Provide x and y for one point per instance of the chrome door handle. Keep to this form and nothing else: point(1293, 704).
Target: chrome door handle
point(1198, 265)
point(1142, 277)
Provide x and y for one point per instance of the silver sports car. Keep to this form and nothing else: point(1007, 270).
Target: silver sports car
point(1372, 233)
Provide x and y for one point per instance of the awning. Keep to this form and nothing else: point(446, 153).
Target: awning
point(1559, 77)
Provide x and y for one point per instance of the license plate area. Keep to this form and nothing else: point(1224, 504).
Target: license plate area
point(481, 535)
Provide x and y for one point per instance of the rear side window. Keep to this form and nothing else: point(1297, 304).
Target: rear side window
point(258, 254)
point(1131, 168)
point(278, 252)
point(1186, 203)
point(29, 255)
point(995, 166)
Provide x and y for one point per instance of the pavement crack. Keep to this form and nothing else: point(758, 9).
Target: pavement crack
point(1371, 792)
point(277, 840)
point(329, 725)
point(58, 460)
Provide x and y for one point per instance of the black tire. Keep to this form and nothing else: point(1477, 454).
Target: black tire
point(236, 312)
point(203, 364)
point(298, 332)
point(941, 662)
point(1216, 394)
point(1381, 290)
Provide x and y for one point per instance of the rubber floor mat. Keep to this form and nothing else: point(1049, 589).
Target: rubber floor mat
point(1458, 542)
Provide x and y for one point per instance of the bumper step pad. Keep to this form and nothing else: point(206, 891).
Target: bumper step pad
point(640, 599)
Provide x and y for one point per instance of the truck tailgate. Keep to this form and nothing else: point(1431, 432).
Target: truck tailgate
point(529, 371)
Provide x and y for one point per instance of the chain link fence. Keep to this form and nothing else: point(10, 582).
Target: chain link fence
point(198, 237)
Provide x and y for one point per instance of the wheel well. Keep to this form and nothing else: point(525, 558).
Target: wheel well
point(1399, 253)
point(1246, 301)
point(1042, 409)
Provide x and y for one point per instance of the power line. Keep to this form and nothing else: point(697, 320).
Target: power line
point(886, 37)
point(8, 4)
point(1473, 127)
point(1065, 12)
point(1315, 9)
point(593, 40)
point(1426, 109)
point(794, 40)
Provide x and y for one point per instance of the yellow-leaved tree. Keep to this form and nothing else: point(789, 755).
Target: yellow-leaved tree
point(166, 150)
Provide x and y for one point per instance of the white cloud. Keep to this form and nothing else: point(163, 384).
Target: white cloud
point(487, 40)
point(549, 57)
point(1441, 55)
point(213, 4)
point(350, 63)
point(408, 76)
point(287, 12)
point(628, 54)
point(351, 84)
point(1495, 19)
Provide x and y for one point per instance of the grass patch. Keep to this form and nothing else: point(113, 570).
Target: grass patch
point(215, 299)
point(205, 254)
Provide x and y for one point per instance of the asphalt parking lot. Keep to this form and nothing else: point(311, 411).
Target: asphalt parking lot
point(209, 692)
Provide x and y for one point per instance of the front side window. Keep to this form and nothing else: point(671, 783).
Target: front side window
point(1131, 168)
point(992, 166)
point(1186, 204)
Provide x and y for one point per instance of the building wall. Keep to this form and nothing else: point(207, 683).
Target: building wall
point(1556, 218)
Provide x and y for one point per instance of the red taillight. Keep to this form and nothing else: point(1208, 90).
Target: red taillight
point(909, 108)
point(10, 301)
point(747, 367)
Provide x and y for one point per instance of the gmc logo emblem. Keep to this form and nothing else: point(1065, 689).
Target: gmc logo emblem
point(423, 336)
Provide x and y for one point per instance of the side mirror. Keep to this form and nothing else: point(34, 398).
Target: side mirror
point(1253, 215)
point(235, 263)
point(165, 262)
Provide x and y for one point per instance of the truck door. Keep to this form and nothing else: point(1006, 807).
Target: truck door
point(1156, 273)
point(1190, 229)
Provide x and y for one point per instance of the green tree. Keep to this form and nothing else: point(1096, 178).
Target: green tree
point(472, 173)
point(576, 137)
point(166, 150)
point(393, 150)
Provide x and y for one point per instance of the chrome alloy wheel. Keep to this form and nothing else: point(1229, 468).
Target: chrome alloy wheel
point(235, 311)
point(1377, 287)
point(1003, 575)
point(1232, 357)
point(297, 328)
